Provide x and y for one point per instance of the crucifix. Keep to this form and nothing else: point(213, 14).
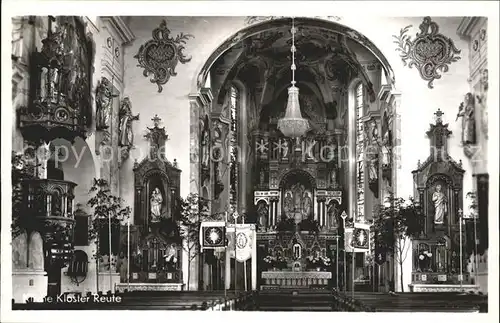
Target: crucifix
point(439, 115)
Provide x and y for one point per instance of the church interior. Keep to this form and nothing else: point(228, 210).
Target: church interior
point(249, 153)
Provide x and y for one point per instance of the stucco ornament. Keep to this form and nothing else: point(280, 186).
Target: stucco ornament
point(430, 52)
point(159, 56)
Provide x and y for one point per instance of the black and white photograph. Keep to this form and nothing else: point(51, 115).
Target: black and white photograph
point(186, 156)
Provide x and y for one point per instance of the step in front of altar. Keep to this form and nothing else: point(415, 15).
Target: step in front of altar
point(295, 279)
point(149, 287)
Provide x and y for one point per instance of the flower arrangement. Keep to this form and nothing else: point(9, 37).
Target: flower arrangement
point(318, 261)
point(278, 262)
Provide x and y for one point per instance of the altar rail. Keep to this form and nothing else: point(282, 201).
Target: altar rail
point(295, 279)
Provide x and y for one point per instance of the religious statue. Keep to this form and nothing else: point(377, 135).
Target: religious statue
point(333, 215)
point(310, 143)
point(156, 203)
point(333, 177)
point(374, 134)
point(386, 152)
point(43, 83)
point(297, 251)
point(104, 95)
point(288, 204)
point(373, 168)
point(126, 137)
point(306, 205)
point(440, 205)
point(466, 111)
point(285, 148)
point(53, 81)
point(262, 214)
point(205, 148)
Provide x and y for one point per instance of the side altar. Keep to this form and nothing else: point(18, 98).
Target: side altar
point(153, 242)
point(441, 250)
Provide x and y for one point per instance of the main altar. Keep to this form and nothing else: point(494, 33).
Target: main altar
point(298, 199)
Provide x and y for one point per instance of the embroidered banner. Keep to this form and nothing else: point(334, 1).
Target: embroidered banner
point(243, 247)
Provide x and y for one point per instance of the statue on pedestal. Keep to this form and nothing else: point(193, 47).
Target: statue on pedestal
point(466, 111)
point(440, 205)
point(262, 213)
point(288, 204)
point(156, 201)
point(332, 215)
point(126, 137)
point(306, 205)
point(104, 98)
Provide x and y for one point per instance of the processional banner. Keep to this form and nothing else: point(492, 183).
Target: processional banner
point(241, 240)
point(357, 238)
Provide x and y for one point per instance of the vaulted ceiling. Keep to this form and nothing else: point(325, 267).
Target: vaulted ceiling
point(324, 59)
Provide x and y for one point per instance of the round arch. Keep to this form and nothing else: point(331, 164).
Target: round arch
point(294, 173)
point(202, 72)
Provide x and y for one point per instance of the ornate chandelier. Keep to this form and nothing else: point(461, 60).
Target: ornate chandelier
point(293, 125)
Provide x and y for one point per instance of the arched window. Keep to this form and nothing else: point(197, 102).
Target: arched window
point(360, 175)
point(233, 191)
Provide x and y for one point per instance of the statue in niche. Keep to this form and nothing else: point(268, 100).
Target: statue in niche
point(43, 83)
point(440, 205)
point(333, 212)
point(104, 98)
point(262, 213)
point(298, 193)
point(285, 148)
point(126, 136)
point(205, 148)
point(333, 177)
point(156, 203)
point(53, 81)
point(373, 168)
point(386, 152)
point(288, 204)
point(466, 112)
point(310, 143)
point(307, 205)
point(297, 251)
point(262, 177)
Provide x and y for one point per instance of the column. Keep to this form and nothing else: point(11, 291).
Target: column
point(317, 215)
point(271, 212)
point(254, 260)
point(227, 280)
